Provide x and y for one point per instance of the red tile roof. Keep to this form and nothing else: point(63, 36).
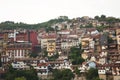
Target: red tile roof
point(43, 64)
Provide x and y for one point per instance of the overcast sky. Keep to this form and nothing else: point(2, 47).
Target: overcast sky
point(36, 11)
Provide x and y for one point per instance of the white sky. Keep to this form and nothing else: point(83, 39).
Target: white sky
point(36, 11)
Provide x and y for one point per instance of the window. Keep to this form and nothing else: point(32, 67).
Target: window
point(18, 54)
point(22, 54)
point(14, 53)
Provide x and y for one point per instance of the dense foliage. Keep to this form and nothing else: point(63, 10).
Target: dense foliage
point(51, 58)
point(77, 71)
point(12, 25)
point(101, 28)
point(54, 57)
point(107, 19)
point(65, 74)
point(92, 74)
point(20, 78)
point(75, 55)
point(13, 74)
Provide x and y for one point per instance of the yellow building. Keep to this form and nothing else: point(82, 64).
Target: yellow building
point(85, 43)
point(118, 37)
point(51, 47)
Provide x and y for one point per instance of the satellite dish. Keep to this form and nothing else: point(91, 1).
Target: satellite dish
point(84, 56)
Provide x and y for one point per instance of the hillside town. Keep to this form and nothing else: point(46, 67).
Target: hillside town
point(79, 43)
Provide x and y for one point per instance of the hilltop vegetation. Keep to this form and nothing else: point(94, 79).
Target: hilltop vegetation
point(12, 25)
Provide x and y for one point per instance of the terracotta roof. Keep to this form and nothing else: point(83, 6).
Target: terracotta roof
point(96, 36)
point(48, 36)
point(43, 64)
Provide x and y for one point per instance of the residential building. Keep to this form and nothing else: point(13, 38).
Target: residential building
point(16, 51)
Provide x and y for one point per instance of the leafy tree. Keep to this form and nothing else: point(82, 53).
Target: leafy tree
point(45, 53)
point(9, 76)
point(57, 74)
point(48, 29)
point(89, 25)
point(65, 27)
point(54, 57)
point(33, 55)
point(75, 55)
point(103, 17)
point(13, 74)
point(101, 28)
point(12, 25)
point(96, 17)
point(64, 74)
point(77, 71)
point(92, 74)
point(111, 21)
point(81, 26)
point(56, 28)
point(110, 40)
point(63, 17)
point(98, 78)
point(20, 78)
point(78, 60)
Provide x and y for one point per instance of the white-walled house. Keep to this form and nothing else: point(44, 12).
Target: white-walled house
point(43, 70)
point(60, 64)
point(19, 65)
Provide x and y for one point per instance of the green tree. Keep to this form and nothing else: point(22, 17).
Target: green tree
point(56, 28)
point(9, 76)
point(103, 17)
point(77, 71)
point(97, 79)
point(54, 57)
point(111, 21)
point(45, 53)
point(48, 29)
point(96, 17)
point(13, 74)
point(75, 55)
point(57, 74)
point(12, 25)
point(89, 25)
point(92, 74)
point(63, 17)
point(110, 40)
point(65, 27)
point(101, 28)
point(64, 74)
point(20, 78)
point(33, 55)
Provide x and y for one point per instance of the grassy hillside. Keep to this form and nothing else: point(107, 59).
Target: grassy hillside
point(13, 25)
